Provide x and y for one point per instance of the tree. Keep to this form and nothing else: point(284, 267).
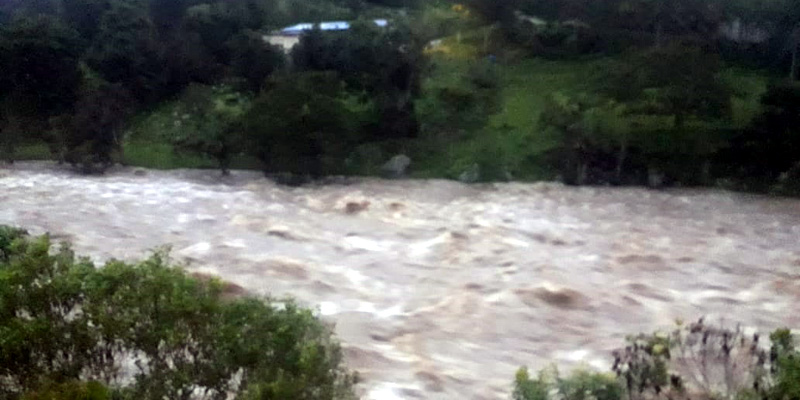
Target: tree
point(778, 20)
point(85, 15)
point(658, 116)
point(680, 80)
point(216, 25)
point(383, 64)
point(65, 320)
point(253, 60)
point(771, 146)
point(126, 51)
point(794, 46)
point(300, 125)
point(213, 127)
point(39, 59)
point(463, 107)
point(95, 132)
point(167, 14)
point(496, 11)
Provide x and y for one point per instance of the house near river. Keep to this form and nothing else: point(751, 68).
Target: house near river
point(289, 37)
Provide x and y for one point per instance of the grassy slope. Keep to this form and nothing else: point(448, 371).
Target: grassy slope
point(512, 135)
point(526, 85)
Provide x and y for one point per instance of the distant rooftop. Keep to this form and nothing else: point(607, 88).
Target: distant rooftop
point(325, 26)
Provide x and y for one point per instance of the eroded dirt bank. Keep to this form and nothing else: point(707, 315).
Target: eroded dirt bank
point(441, 290)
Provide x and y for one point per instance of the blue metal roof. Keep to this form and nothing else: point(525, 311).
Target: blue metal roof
point(326, 26)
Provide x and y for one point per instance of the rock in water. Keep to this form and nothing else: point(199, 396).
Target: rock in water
point(471, 175)
point(397, 166)
point(655, 179)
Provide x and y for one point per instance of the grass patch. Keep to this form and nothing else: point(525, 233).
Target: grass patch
point(161, 156)
point(748, 86)
point(512, 135)
point(29, 152)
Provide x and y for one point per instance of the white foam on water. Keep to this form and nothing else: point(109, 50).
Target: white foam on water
point(468, 307)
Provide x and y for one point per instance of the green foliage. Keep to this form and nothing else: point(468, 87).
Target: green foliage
point(663, 114)
point(62, 319)
point(526, 388)
point(580, 385)
point(464, 106)
point(681, 80)
point(767, 152)
point(586, 385)
point(698, 358)
point(209, 123)
point(786, 366)
point(8, 235)
point(693, 361)
point(84, 16)
point(253, 60)
point(301, 125)
point(125, 50)
point(39, 60)
point(95, 130)
point(382, 64)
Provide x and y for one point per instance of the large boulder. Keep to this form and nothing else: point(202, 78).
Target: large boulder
point(397, 166)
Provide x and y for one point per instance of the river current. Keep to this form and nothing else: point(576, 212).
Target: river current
point(440, 290)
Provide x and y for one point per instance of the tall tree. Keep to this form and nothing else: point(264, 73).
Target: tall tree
point(679, 79)
point(253, 60)
point(95, 133)
point(301, 125)
point(84, 15)
point(39, 60)
point(213, 127)
point(383, 63)
point(126, 50)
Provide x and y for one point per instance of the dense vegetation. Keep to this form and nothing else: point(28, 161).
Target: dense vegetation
point(696, 360)
point(148, 331)
point(589, 92)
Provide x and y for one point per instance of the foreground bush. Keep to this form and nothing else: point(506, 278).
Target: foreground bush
point(581, 385)
point(148, 331)
point(694, 361)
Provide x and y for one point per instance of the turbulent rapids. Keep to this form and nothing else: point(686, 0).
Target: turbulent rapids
point(440, 290)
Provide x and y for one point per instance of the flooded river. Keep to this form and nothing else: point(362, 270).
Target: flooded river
point(441, 290)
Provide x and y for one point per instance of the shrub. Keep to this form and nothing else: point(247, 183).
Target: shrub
point(95, 133)
point(580, 385)
point(526, 388)
point(302, 125)
point(210, 123)
point(696, 360)
point(151, 330)
point(785, 366)
point(717, 362)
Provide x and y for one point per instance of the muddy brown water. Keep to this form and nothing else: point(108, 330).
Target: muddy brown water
point(441, 290)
